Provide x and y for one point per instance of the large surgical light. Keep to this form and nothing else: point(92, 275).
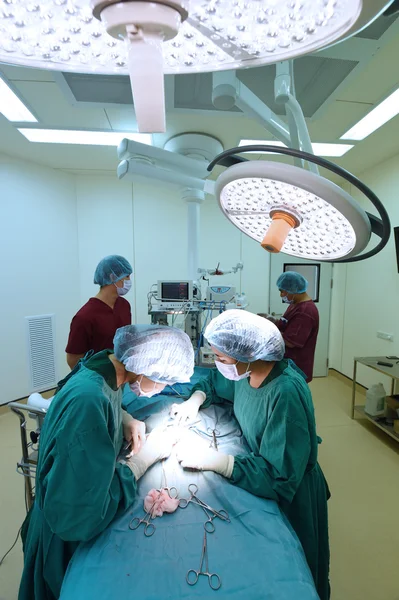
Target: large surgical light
point(289, 209)
point(147, 39)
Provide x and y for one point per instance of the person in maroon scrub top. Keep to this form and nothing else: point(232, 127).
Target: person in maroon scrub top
point(300, 322)
point(94, 325)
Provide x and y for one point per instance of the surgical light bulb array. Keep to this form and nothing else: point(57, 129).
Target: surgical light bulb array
point(323, 232)
point(218, 34)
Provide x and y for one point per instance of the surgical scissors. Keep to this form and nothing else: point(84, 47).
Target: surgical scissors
point(149, 528)
point(193, 489)
point(213, 578)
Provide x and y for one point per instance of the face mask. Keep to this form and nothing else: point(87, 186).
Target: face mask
point(230, 371)
point(136, 389)
point(286, 300)
point(127, 284)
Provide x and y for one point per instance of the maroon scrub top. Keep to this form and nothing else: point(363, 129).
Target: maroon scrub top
point(300, 326)
point(94, 325)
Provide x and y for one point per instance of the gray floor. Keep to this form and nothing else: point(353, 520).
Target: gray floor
point(362, 468)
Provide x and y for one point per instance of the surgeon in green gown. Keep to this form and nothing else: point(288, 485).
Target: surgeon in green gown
point(81, 485)
point(273, 405)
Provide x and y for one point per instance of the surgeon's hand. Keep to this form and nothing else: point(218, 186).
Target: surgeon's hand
point(133, 432)
point(158, 446)
point(269, 318)
point(196, 454)
point(187, 411)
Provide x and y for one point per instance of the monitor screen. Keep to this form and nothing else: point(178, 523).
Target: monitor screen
point(175, 290)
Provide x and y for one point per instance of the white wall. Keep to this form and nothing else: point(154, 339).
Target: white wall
point(148, 224)
point(105, 226)
point(57, 228)
point(40, 271)
point(160, 234)
point(365, 294)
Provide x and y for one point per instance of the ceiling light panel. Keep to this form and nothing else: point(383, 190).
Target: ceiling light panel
point(377, 117)
point(89, 138)
point(319, 148)
point(12, 107)
point(218, 34)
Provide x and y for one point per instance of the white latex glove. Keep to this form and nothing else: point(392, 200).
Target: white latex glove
point(159, 445)
point(196, 454)
point(187, 411)
point(134, 432)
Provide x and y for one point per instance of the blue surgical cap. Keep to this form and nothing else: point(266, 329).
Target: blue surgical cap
point(292, 282)
point(163, 354)
point(112, 269)
point(245, 337)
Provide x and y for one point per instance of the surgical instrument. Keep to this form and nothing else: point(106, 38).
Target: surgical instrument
point(193, 489)
point(172, 422)
point(193, 575)
point(209, 525)
point(214, 433)
point(172, 491)
point(149, 528)
point(126, 446)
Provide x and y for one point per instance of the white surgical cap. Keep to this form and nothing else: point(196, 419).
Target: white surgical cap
point(163, 354)
point(245, 337)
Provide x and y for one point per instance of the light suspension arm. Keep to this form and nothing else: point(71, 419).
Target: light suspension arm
point(228, 91)
point(284, 92)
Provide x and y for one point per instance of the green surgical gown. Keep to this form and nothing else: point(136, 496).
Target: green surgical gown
point(278, 423)
point(80, 486)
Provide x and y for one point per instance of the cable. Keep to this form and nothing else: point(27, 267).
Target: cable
point(330, 166)
point(12, 547)
point(150, 295)
point(209, 314)
point(185, 307)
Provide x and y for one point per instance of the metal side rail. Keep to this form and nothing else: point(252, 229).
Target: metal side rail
point(28, 463)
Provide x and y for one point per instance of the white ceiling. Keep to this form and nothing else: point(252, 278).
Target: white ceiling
point(374, 77)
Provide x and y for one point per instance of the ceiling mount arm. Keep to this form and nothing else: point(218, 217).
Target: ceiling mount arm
point(284, 92)
point(228, 91)
point(280, 82)
point(383, 231)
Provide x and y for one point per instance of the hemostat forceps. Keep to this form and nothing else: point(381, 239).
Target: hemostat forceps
point(193, 489)
point(213, 578)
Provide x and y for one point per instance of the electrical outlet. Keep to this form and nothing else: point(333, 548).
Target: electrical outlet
point(385, 336)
